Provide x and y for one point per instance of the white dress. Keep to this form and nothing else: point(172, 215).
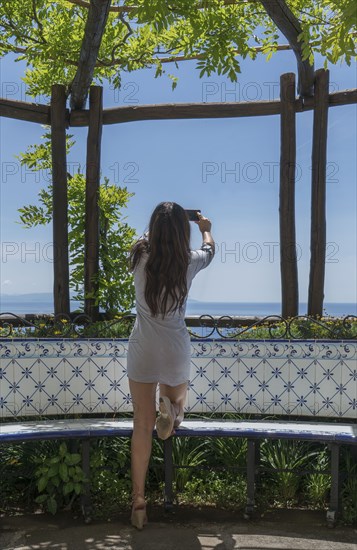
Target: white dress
point(159, 348)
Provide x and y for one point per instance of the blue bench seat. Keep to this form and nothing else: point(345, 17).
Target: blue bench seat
point(92, 427)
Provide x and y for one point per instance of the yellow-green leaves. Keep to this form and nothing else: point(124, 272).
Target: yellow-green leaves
point(48, 36)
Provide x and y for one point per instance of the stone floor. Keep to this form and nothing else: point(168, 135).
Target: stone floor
point(185, 529)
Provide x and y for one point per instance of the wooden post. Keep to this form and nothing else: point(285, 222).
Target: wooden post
point(288, 257)
point(318, 195)
point(91, 255)
point(60, 201)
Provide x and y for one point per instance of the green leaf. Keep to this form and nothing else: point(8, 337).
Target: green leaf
point(68, 488)
point(77, 488)
point(42, 484)
point(63, 471)
point(41, 499)
point(56, 480)
point(52, 505)
point(53, 470)
point(63, 449)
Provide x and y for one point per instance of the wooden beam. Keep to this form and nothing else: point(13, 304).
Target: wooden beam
point(22, 110)
point(91, 255)
point(290, 26)
point(344, 97)
point(205, 110)
point(39, 113)
point(179, 111)
point(60, 201)
point(318, 195)
point(288, 256)
point(94, 29)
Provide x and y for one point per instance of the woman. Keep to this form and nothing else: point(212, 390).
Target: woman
point(159, 345)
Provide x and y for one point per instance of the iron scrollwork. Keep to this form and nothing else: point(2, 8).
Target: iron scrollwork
point(210, 327)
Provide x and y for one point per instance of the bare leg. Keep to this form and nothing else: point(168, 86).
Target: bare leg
point(143, 396)
point(177, 396)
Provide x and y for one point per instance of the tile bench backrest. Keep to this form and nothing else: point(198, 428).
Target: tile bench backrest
point(277, 377)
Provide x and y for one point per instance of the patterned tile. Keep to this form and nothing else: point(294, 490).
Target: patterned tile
point(49, 377)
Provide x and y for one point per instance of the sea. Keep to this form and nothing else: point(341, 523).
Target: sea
point(43, 303)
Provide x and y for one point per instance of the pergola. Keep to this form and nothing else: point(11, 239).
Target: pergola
point(313, 94)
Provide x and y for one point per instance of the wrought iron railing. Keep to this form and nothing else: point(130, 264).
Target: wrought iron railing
point(201, 326)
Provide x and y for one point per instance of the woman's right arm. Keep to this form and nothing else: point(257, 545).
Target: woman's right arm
point(204, 225)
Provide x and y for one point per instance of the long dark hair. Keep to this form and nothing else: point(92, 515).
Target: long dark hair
point(168, 248)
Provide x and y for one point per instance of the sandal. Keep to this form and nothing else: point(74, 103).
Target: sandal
point(166, 419)
point(138, 513)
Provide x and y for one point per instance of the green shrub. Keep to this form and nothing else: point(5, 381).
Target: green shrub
point(317, 484)
point(281, 460)
point(60, 479)
point(222, 489)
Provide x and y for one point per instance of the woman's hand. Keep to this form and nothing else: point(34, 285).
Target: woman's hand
point(204, 224)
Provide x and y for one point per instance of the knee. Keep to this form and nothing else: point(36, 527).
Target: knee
point(144, 424)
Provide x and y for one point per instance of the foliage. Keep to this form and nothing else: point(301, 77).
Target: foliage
point(285, 457)
point(317, 485)
point(110, 475)
point(149, 33)
point(60, 479)
point(23, 466)
point(120, 326)
point(230, 451)
point(116, 289)
point(188, 453)
point(299, 328)
point(15, 474)
point(349, 489)
point(224, 490)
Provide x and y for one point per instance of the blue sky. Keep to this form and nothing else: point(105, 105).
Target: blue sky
point(228, 168)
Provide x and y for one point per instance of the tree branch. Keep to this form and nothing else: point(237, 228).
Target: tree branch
point(35, 17)
point(18, 49)
point(117, 9)
point(127, 9)
point(115, 62)
point(94, 29)
point(11, 25)
point(290, 26)
point(118, 61)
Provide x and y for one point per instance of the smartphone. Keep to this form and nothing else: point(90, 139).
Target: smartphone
point(192, 215)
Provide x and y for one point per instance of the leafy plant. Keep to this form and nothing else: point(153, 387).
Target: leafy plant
point(115, 283)
point(156, 465)
point(60, 479)
point(317, 485)
point(18, 463)
point(110, 476)
point(23, 467)
point(120, 327)
point(230, 451)
point(281, 460)
point(349, 490)
point(48, 36)
point(188, 453)
point(223, 489)
point(299, 328)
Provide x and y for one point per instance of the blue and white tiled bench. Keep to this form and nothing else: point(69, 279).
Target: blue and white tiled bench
point(75, 378)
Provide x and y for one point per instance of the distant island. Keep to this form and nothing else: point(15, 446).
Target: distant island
point(29, 297)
